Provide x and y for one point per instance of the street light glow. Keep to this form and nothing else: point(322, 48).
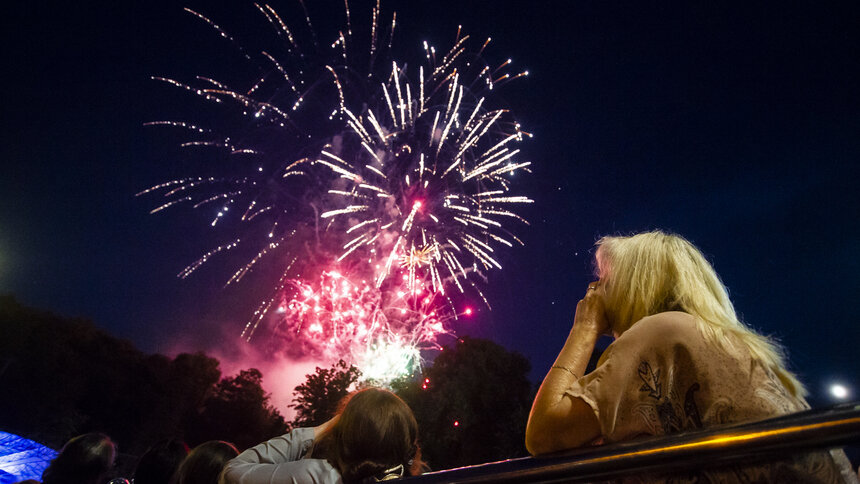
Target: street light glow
point(839, 391)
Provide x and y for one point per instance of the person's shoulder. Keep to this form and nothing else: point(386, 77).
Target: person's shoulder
point(666, 326)
point(313, 470)
point(653, 334)
point(320, 467)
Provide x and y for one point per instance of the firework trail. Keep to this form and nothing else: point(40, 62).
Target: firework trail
point(379, 189)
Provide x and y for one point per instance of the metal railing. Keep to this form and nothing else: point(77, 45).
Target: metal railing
point(779, 437)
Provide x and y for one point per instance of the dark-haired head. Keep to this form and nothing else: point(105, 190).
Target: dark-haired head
point(205, 462)
point(160, 462)
point(85, 459)
point(376, 436)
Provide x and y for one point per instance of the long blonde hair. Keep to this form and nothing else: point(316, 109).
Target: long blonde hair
point(653, 272)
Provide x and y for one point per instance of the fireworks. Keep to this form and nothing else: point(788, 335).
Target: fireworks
point(396, 179)
point(381, 332)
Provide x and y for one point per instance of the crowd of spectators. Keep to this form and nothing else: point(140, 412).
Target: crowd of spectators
point(90, 459)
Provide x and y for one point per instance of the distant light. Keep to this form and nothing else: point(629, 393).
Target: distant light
point(468, 311)
point(839, 391)
point(456, 423)
point(417, 204)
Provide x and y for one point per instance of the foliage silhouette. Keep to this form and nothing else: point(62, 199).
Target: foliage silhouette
point(64, 376)
point(238, 408)
point(317, 399)
point(475, 404)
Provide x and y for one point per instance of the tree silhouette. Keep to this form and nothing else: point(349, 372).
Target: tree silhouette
point(237, 410)
point(471, 404)
point(64, 376)
point(318, 397)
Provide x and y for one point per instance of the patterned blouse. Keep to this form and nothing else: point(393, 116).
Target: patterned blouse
point(662, 376)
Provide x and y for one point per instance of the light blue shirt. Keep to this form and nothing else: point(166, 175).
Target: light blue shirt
point(281, 460)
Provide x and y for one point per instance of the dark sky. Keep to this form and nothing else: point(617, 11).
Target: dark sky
point(735, 124)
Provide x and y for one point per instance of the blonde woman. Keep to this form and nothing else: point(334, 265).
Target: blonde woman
point(681, 360)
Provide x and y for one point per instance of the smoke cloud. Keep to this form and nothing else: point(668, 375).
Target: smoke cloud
point(281, 373)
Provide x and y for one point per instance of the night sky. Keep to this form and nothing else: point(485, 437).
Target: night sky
point(734, 124)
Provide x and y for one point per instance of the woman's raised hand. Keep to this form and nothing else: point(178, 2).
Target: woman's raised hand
point(557, 421)
point(591, 311)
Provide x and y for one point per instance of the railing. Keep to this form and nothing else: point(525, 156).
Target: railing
point(750, 442)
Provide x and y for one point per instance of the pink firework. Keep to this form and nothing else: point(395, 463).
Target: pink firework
point(382, 332)
point(348, 159)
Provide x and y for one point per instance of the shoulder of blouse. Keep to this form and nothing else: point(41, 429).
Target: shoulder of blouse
point(659, 328)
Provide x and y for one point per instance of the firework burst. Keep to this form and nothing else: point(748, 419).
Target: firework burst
point(400, 174)
point(381, 332)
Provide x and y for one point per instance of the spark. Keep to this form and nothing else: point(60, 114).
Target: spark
point(341, 317)
point(402, 175)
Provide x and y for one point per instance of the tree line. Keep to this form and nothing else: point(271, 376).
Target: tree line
point(64, 376)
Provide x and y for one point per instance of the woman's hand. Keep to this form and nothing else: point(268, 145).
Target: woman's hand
point(591, 311)
point(558, 421)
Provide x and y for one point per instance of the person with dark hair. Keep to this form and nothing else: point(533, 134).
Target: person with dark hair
point(373, 438)
point(160, 462)
point(205, 462)
point(85, 459)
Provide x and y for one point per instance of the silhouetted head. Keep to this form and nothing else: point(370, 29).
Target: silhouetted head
point(160, 462)
point(375, 437)
point(205, 462)
point(85, 459)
